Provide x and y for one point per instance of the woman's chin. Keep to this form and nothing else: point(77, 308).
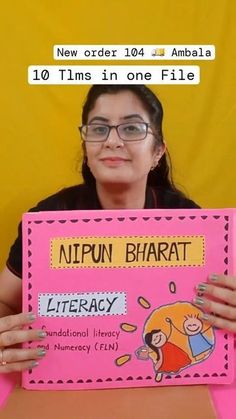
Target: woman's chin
point(114, 182)
point(114, 177)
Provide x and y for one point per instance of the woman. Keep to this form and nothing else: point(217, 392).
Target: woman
point(125, 166)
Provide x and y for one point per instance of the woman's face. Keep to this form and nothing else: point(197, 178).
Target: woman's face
point(115, 161)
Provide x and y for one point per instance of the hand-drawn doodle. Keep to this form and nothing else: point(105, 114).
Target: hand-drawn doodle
point(175, 338)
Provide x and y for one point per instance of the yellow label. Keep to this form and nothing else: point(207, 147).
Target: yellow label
point(127, 251)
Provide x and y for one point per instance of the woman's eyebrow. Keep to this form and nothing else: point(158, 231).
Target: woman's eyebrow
point(103, 119)
point(134, 115)
point(98, 118)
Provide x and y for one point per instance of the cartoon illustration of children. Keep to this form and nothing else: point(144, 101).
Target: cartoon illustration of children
point(193, 328)
point(169, 357)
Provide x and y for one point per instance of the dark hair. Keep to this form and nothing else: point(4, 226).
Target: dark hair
point(161, 176)
point(148, 341)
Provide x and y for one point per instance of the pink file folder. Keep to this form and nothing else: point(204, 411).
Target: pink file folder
point(113, 290)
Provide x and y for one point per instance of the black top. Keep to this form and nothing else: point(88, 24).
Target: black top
point(82, 197)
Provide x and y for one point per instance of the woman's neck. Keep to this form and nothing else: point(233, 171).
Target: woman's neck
point(112, 196)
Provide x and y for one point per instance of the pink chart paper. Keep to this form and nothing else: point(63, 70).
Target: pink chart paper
point(113, 290)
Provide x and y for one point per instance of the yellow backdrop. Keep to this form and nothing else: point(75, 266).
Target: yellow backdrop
point(39, 141)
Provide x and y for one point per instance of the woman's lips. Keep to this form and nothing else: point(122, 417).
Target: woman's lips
point(114, 158)
point(114, 161)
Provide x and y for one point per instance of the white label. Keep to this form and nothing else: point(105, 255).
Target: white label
point(97, 74)
point(133, 52)
point(82, 304)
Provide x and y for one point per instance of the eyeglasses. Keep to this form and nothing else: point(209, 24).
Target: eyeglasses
point(131, 131)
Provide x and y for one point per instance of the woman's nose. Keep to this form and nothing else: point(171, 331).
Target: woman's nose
point(113, 139)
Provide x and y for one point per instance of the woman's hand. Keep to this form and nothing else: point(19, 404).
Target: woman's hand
point(13, 358)
point(222, 312)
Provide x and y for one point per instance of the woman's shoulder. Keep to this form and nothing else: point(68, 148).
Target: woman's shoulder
point(69, 198)
point(174, 199)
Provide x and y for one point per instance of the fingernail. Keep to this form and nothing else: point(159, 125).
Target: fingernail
point(34, 364)
point(213, 277)
point(31, 316)
point(201, 287)
point(198, 301)
point(42, 334)
point(41, 352)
